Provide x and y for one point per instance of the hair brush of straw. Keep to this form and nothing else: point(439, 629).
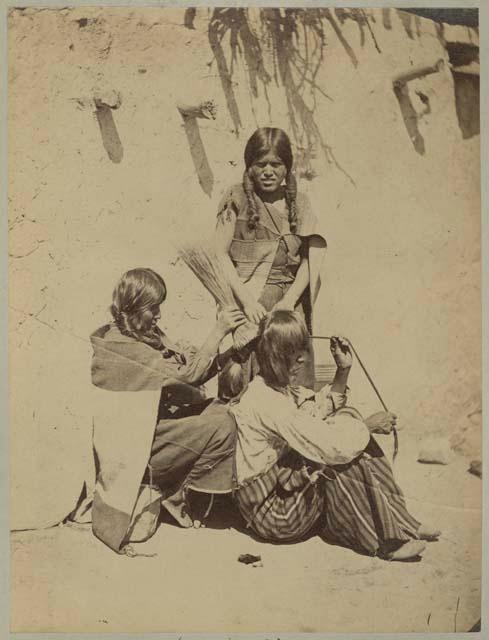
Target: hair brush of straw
point(203, 261)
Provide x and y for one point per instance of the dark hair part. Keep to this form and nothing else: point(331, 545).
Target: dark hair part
point(134, 298)
point(263, 141)
point(282, 334)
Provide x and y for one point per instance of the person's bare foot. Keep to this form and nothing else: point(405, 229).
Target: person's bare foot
point(407, 551)
point(425, 532)
point(176, 508)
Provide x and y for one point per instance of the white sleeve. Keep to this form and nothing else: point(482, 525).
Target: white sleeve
point(336, 440)
point(320, 404)
point(328, 401)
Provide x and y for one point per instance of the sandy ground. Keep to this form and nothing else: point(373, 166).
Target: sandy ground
point(63, 579)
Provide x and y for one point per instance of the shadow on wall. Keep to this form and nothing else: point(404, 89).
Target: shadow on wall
point(296, 40)
point(410, 116)
point(199, 156)
point(464, 60)
point(467, 99)
point(467, 17)
point(190, 113)
point(287, 47)
point(411, 24)
point(110, 137)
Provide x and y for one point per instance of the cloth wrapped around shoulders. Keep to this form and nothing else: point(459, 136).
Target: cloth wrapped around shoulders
point(122, 363)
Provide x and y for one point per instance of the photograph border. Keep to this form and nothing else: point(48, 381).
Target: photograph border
point(4, 431)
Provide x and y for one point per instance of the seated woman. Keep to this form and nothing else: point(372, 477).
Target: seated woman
point(133, 354)
point(307, 463)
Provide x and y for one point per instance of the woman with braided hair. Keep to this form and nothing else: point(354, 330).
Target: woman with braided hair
point(270, 246)
point(133, 354)
point(189, 444)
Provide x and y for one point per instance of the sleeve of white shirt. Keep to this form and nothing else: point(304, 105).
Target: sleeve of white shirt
point(336, 440)
point(320, 404)
point(329, 401)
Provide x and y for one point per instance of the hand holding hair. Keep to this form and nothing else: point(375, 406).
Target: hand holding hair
point(229, 319)
point(254, 311)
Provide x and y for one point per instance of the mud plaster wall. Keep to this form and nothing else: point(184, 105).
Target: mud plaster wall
point(101, 175)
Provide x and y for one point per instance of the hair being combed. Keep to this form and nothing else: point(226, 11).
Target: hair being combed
point(134, 298)
point(282, 335)
point(270, 140)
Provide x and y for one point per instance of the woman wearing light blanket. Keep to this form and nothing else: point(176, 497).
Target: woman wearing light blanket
point(132, 354)
point(307, 463)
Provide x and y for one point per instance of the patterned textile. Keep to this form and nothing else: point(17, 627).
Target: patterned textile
point(364, 507)
point(282, 504)
point(132, 383)
point(123, 429)
point(358, 505)
point(122, 363)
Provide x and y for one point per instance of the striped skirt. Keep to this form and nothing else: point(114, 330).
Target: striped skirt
point(364, 508)
point(358, 505)
point(281, 505)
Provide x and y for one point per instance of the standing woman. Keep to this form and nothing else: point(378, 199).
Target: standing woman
point(270, 245)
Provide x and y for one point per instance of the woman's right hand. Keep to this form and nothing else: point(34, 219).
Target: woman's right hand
point(381, 422)
point(229, 319)
point(254, 311)
point(341, 352)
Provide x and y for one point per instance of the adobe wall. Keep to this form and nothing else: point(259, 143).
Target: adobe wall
point(102, 171)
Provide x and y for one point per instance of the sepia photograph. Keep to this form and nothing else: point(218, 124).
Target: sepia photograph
point(244, 319)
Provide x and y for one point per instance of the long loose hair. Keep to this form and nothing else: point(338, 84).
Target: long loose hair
point(134, 299)
point(270, 140)
point(282, 335)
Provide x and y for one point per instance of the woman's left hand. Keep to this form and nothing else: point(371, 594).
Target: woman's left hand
point(381, 422)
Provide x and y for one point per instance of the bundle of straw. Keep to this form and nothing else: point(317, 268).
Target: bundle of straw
point(203, 261)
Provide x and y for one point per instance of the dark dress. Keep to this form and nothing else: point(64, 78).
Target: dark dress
point(284, 252)
point(193, 442)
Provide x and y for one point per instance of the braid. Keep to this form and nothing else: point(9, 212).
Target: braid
point(249, 189)
point(125, 323)
point(291, 200)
